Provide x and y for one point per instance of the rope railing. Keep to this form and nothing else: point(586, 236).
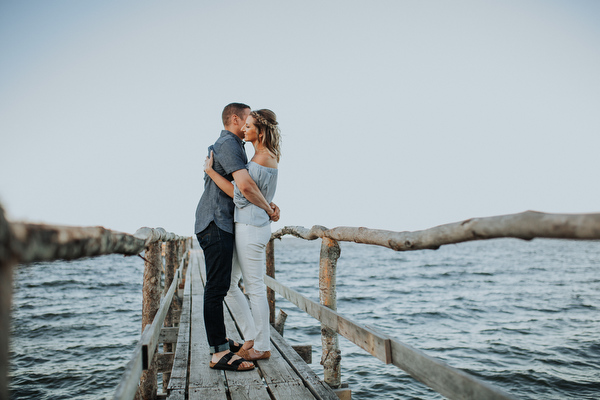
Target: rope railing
point(439, 376)
point(24, 243)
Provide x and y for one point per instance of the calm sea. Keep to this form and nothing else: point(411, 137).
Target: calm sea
point(524, 316)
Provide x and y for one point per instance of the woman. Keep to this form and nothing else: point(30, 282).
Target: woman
point(252, 233)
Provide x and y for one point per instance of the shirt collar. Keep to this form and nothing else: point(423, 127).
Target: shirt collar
point(225, 132)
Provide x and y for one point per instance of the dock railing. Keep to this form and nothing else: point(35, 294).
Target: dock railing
point(23, 243)
point(444, 379)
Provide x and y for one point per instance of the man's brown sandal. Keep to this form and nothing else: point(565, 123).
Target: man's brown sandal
point(224, 364)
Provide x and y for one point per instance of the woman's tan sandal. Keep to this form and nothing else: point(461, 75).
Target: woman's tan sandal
point(245, 353)
point(223, 363)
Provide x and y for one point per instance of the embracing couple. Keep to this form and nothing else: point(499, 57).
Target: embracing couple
point(233, 227)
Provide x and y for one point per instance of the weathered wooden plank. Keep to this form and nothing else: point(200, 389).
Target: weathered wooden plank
point(291, 390)
point(130, 378)
point(178, 394)
point(168, 335)
point(447, 381)
point(150, 347)
point(251, 391)
point(244, 384)
point(281, 379)
point(372, 342)
point(435, 374)
point(215, 393)
point(201, 375)
point(178, 379)
point(318, 388)
point(277, 370)
point(164, 362)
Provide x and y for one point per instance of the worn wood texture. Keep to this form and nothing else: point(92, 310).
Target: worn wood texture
point(7, 261)
point(281, 379)
point(129, 383)
point(202, 378)
point(179, 374)
point(447, 381)
point(369, 340)
point(444, 379)
point(171, 265)
point(150, 306)
point(279, 324)
point(168, 335)
point(150, 346)
point(40, 242)
point(526, 225)
point(164, 363)
point(151, 286)
point(270, 256)
point(331, 356)
point(316, 386)
point(305, 352)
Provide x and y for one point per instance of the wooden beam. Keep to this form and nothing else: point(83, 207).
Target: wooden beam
point(168, 335)
point(40, 242)
point(369, 340)
point(164, 362)
point(526, 225)
point(446, 380)
point(7, 262)
point(130, 379)
point(270, 261)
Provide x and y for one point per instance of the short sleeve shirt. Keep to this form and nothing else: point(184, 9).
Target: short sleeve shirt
point(215, 205)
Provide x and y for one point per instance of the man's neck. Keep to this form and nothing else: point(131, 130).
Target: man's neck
point(233, 130)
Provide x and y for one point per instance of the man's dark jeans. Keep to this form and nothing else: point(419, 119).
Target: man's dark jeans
point(218, 254)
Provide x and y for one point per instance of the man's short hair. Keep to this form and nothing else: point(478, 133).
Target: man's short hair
point(233, 109)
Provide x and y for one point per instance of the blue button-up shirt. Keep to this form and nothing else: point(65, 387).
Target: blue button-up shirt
point(215, 205)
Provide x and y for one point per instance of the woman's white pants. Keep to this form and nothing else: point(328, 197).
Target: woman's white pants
point(249, 263)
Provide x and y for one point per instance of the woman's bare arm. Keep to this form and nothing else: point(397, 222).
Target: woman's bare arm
point(220, 181)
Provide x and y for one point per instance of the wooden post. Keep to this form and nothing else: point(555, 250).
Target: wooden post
point(6, 278)
point(271, 272)
point(151, 303)
point(7, 261)
point(280, 322)
point(330, 252)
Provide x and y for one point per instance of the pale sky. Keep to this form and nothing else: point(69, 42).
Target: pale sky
point(398, 115)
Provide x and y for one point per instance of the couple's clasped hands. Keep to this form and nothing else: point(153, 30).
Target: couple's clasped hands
point(208, 166)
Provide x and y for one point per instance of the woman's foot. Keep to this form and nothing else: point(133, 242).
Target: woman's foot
point(229, 361)
point(247, 345)
point(253, 355)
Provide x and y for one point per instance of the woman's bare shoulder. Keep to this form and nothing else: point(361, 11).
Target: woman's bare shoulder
point(266, 160)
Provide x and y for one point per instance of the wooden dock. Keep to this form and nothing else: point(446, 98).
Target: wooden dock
point(284, 376)
point(185, 370)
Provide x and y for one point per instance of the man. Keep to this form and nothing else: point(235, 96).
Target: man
point(214, 230)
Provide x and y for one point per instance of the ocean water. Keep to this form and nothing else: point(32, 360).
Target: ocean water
point(523, 316)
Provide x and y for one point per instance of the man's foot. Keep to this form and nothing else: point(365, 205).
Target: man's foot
point(234, 346)
point(230, 362)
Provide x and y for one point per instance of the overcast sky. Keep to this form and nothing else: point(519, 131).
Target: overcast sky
point(399, 115)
